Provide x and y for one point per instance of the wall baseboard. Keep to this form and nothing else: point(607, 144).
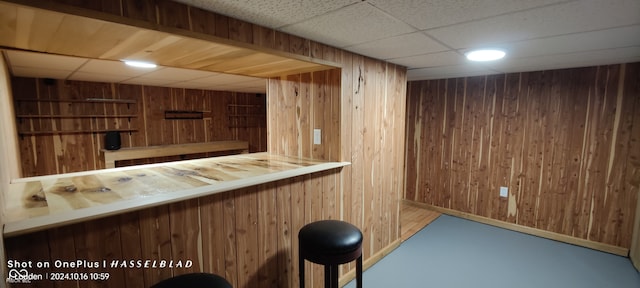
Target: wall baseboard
point(621, 251)
point(346, 278)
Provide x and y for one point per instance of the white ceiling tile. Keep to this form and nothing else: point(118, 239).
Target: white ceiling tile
point(182, 84)
point(245, 87)
point(426, 14)
point(96, 70)
point(40, 72)
point(190, 84)
point(204, 82)
point(39, 60)
point(349, 26)
point(258, 83)
point(225, 78)
point(270, 13)
point(446, 58)
point(248, 84)
point(571, 17)
point(579, 42)
point(176, 74)
point(569, 60)
point(399, 46)
point(98, 77)
point(113, 68)
point(448, 72)
point(148, 81)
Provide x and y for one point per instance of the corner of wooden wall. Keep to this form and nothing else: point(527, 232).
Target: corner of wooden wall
point(8, 151)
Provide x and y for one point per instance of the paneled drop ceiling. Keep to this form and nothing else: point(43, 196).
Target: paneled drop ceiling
point(430, 37)
point(40, 65)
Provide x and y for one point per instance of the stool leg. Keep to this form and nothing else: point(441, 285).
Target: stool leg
point(359, 272)
point(334, 276)
point(301, 270)
point(327, 276)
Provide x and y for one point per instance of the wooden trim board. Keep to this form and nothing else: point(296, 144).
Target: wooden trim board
point(413, 218)
point(111, 156)
point(528, 230)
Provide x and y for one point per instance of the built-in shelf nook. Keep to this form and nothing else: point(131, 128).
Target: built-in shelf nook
point(73, 116)
point(243, 116)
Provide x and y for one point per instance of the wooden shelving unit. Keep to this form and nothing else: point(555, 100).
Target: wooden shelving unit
point(89, 117)
point(74, 131)
point(245, 116)
point(86, 100)
point(77, 116)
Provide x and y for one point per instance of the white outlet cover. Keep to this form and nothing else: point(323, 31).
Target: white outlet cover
point(504, 191)
point(317, 137)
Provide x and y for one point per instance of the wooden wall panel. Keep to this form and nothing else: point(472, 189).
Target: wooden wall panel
point(351, 96)
point(373, 107)
point(245, 235)
point(63, 153)
point(9, 152)
point(632, 173)
point(562, 141)
point(298, 104)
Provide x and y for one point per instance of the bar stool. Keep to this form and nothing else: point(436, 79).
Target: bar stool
point(330, 243)
point(194, 280)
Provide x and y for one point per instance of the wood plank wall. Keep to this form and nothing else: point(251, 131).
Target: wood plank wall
point(302, 103)
point(371, 136)
point(63, 153)
point(634, 251)
point(565, 143)
point(10, 167)
point(369, 121)
point(248, 236)
point(373, 115)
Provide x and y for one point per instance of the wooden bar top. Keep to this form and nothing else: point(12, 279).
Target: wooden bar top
point(44, 202)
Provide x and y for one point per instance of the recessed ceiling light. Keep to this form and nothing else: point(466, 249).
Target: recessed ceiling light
point(140, 64)
point(485, 55)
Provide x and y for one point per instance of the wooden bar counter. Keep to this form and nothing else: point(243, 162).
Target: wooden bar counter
point(44, 202)
point(111, 156)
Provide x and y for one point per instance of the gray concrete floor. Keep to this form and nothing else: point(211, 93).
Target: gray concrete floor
point(454, 252)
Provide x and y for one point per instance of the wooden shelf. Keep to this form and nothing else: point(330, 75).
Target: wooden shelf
point(86, 100)
point(78, 116)
point(243, 105)
point(73, 131)
point(90, 110)
point(246, 115)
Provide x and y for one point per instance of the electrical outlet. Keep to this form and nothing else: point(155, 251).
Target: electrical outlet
point(317, 136)
point(504, 191)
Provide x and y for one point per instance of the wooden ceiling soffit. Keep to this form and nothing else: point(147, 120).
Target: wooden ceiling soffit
point(44, 30)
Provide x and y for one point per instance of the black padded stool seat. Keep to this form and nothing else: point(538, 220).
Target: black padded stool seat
point(194, 280)
point(330, 243)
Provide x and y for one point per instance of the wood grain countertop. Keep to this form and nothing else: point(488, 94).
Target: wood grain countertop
point(44, 202)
